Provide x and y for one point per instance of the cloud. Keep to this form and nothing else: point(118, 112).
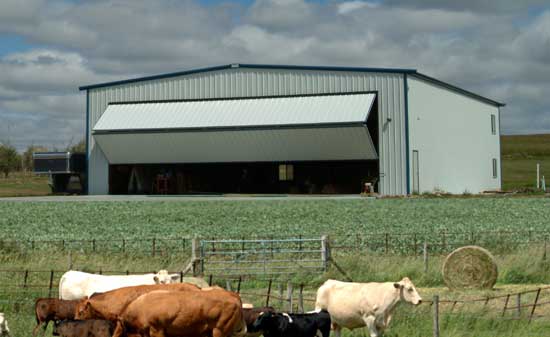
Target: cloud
point(496, 48)
point(352, 6)
point(499, 6)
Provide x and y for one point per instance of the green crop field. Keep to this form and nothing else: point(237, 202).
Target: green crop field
point(84, 220)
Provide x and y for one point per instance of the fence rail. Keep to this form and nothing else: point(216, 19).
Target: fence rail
point(382, 242)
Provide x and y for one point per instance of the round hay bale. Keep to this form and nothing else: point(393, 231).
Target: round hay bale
point(470, 267)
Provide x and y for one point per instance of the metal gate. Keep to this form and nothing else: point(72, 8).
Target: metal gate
point(263, 257)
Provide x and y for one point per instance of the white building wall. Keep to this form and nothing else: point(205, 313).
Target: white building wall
point(250, 82)
point(452, 134)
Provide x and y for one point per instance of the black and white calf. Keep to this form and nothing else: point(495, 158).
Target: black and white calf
point(315, 324)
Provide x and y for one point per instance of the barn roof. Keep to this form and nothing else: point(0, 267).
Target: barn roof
point(412, 72)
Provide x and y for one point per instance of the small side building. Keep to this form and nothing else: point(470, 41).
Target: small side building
point(244, 128)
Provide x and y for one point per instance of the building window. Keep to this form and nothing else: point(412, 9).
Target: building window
point(493, 124)
point(286, 172)
point(495, 171)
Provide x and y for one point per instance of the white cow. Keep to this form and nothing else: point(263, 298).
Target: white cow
point(355, 305)
point(4, 330)
point(75, 285)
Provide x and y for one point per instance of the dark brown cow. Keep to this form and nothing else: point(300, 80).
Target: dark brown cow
point(52, 309)
point(86, 328)
point(110, 304)
point(214, 313)
point(250, 316)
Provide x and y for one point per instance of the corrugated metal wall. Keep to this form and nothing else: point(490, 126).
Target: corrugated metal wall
point(246, 82)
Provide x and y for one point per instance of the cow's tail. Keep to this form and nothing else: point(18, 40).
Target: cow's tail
point(241, 328)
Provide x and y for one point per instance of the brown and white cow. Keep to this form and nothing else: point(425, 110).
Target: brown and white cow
point(52, 309)
point(161, 313)
point(355, 305)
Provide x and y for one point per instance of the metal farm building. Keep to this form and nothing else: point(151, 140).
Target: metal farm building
point(244, 128)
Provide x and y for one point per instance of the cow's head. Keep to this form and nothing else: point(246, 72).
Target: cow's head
point(162, 277)
point(84, 310)
point(269, 320)
point(407, 291)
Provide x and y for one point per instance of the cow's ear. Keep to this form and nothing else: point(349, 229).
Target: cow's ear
point(156, 279)
point(175, 277)
point(397, 285)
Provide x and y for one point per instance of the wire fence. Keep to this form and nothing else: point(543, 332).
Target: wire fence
point(525, 305)
point(501, 242)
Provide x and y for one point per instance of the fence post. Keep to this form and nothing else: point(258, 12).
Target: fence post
point(195, 256)
point(534, 305)
point(518, 305)
point(289, 296)
point(505, 305)
point(544, 252)
point(25, 278)
point(181, 276)
point(325, 252)
point(436, 316)
point(425, 257)
point(123, 245)
point(239, 285)
point(70, 260)
point(301, 299)
point(268, 293)
point(51, 284)
point(93, 245)
point(210, 280)
point(280, 295)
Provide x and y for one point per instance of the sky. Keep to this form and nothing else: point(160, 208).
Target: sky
point(48, 48)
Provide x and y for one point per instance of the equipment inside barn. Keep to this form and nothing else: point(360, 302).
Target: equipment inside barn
point(66, 170)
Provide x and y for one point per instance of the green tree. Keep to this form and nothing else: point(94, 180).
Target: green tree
point(28, 163)
point(10, 160)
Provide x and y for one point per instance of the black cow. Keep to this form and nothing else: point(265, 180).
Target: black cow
point(250, 316)
point(294, 325)
point(84, 328)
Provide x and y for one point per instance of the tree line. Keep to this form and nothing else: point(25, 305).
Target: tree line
point(13, 161)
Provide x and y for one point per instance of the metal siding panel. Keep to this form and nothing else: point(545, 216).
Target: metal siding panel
point(351, 143)
point(255, 82)
point(463, 161)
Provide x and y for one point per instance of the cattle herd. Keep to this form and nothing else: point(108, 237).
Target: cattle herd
point(158, 305)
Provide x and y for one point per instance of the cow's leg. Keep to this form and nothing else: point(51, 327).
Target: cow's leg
point(337, 330)
point(154, 332)
point(119, 329)
point(370, 321)
point(36, 328)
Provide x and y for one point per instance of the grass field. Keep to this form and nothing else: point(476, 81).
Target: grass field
point(520, 155)
point(23, 184)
